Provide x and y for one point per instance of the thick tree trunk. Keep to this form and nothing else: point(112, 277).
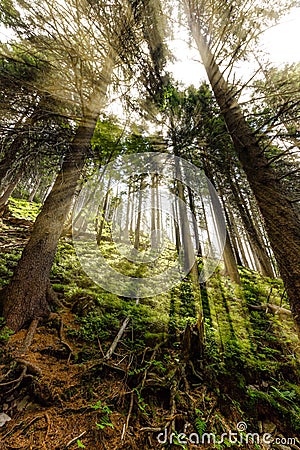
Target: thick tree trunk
point(28, 295)
point(282, 223)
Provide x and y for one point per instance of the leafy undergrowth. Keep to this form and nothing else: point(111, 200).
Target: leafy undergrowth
point(69, 393)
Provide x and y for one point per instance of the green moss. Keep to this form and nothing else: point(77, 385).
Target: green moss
point(21, 209)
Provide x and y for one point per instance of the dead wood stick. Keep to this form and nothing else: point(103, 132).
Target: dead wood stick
point(121, 331)
point(125, 426)
point(273, 308)
point(75, 439)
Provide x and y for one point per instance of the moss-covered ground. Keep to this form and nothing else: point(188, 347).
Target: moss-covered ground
point(247, 374)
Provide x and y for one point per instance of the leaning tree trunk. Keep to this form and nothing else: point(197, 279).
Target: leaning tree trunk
point(10, 189)
point(28, 295)
point(282, 223)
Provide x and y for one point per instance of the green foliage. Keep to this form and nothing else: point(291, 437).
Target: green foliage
point(106, 411)
point(8, 262)
point(80, 444)
point(143, 407)
point(5, 332)
point(200, 424)
point(104, 422)
point(96, 326)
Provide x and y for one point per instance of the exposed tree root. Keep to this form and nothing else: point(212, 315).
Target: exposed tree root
point(62, 339)
point(29, 336)
point(29, 370)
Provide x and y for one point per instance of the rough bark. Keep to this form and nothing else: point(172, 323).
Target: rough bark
point(281, 221)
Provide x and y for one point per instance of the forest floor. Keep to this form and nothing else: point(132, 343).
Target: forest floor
point(65, 392)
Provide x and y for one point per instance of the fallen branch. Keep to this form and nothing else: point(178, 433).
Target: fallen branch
point(75, 439)
point(125, 426)
point(268, 307)
point(113, 346)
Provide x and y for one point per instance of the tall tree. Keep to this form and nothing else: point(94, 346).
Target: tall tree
point(279, 215)
point(90, 56)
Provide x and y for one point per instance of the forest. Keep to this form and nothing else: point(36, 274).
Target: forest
point(149, 228)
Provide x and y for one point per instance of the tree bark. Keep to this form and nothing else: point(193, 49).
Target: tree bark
point(282, 223)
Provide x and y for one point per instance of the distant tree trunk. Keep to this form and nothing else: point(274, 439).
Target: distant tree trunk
point(153, 212)
point(48, 189)
point(176, 227)
point(254, 234)
point(229, 261)
point(34, 190)
point(139, 216)
point(103, 213)
point(190, 265)
point(232, 235)
point(195, 224)
point(126, 232)
point(10, 189)
point(282, 223)
point(28, 295)
point(238, 237)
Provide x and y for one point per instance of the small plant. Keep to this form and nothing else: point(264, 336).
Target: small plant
point(177, 442)
point(105, 420)
point(141, 402)
point(5, 332)
point(80, 444)
point(200, 425)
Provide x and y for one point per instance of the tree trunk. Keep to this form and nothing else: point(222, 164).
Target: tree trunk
point(28, 295)
point(103, 214)
point(139, 216)
point(232, 235)
point(10, 189)
point(34, 190)
point(254, 234)
point(238, 237)
point(282, 223)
